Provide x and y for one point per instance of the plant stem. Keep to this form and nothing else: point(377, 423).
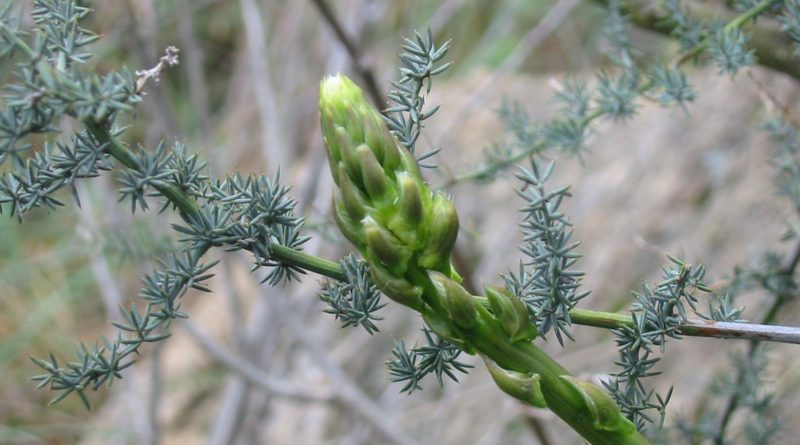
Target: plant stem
point(523, 357)
point(322, 266)
point(695, 327)
point(562, 399)
point(787, 268)
point(331, 269)
point(185, 204)
point(737, 22)
point(487, 171)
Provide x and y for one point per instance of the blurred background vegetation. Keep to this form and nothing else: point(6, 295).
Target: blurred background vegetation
point(694, 183)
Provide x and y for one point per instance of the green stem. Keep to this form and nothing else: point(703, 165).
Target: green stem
point(484, 172)
point(185, 204)
point(322, 266)
point(488, 338)
point(525, 357)
point(605, 320)
point(696, 328)
point(331, 269)
point(750, 14)
point(737, 22)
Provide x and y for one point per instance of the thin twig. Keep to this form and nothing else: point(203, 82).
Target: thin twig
point(250, 371)
point(194, 58)
point(142, 27)
point(356, 56)
point(787, 268)
point(272, 143)
point(527, 44)
point(696, 328)
point(346, 390)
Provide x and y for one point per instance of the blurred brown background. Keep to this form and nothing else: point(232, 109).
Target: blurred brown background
point(692, 183)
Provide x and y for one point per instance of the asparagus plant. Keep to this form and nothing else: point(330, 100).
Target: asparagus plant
point(404, 230)
point(407, 233)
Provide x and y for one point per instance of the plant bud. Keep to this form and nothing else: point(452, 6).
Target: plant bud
point(460, 305)
point(445, 330)
point(398, 289)
point(376, 182)
point(603, 409)
point(392, 159)
point(409, 164)
point(378, 138)
point(407, 222)
point(410, 204)
point(443, 227)
point(352, 231)
point(524, 387)
point(354, 122)
point(353, 199)
point(331, 142)
point(512, 314)
point(349, 154)
point(383, 246)
point(336, 95)
point(343, 105)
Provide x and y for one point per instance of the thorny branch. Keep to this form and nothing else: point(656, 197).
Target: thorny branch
point(786, 269)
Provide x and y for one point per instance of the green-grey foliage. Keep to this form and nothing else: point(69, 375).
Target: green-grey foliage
point(404, 229)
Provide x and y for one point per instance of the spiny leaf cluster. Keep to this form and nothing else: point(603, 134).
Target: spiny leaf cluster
point(355, 300)
point(236, 213)
point(54, 82)
point(657, 315)
point(103, 363)
point(546, 281)
point(419, 62)
point(618, 95)
point(436, 356)
point(51, 82)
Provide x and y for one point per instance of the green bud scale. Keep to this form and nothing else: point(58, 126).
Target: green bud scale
point(512, 313)
point(516, 384)
point(459, 304)
point(604, 411)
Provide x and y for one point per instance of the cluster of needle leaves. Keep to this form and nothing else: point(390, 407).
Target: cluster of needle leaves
point(54, 83)
point(617, 95)
point(355, 300)
point(657, 315)
point(437, 356)
point(546, 281)
point(420, 60)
